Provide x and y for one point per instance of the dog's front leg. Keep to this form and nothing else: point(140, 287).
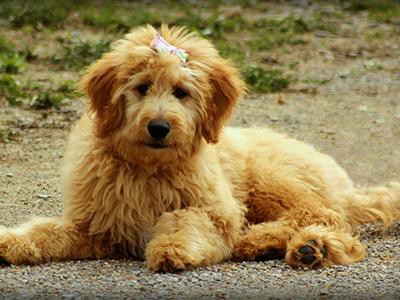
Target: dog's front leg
point(193, 237)
point(42, 240)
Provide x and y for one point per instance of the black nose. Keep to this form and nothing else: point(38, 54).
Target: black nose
point(158, 129)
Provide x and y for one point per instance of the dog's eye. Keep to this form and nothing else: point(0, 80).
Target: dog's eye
point(142, 89)
point(180, 93)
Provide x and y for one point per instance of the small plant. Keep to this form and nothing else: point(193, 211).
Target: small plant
point(11, 89)
point(68, 89)
point(46, 99)
point(4, 136)
point(267, 81)
point(11, 61)
point(11, 64)
point(51, 97)
point(6, 47)
point(78, 53)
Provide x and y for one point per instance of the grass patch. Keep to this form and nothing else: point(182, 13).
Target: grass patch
point(213, 26)
point(78, 53)
point(107, 18)
point(378, 10)
point(273, 33)
point(38, 14)
point(12, 90)
point(230, 50)
point(35, 94)
point(326, 22)
point(267, 81)
point(11, 61)
point(5, 135)
point(11, 64)
point(44, 98)
point(317, 81)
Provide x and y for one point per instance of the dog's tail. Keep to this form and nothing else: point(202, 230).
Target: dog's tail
point(373, 205)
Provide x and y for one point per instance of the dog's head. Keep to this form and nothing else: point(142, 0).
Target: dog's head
point(154, 107)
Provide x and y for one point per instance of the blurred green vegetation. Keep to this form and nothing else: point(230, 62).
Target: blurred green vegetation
point(378, 10)
point(77, 53)
point(37, 95)
point(241, 37)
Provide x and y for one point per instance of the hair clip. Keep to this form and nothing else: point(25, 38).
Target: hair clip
point(162, 46)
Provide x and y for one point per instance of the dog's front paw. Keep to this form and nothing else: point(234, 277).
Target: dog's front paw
point(168, 258)
point(312, 254)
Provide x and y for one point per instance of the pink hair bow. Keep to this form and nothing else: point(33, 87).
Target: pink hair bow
point(162, 46)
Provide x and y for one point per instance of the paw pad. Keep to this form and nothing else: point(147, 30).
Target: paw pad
point(308, 260)
point(306, 250)
point(311, 254)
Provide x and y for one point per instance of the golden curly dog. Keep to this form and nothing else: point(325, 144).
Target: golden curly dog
point(151, 173)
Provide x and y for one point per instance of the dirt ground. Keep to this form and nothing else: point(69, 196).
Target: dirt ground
point(354, 117)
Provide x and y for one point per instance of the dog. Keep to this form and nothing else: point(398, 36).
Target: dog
point(150, 172)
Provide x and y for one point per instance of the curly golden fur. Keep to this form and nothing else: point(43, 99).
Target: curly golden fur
point(201, 194)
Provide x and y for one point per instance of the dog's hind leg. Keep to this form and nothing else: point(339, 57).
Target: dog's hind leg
point(264, 241)
point(42, 240)
point(319, 246)
point(372, 205)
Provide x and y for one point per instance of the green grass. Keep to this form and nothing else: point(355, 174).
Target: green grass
point(11, 61)
point(378, 10)
point(78, 53)
point(4, 135)
point(273, 33)
point(115, 19)
point(44, 98)
point(35, 94)
point(11, 64)
point(12, 90)
point(264, 80)
point(317, 81)
point(38, 14)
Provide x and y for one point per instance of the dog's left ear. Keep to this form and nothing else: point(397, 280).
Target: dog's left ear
point(227, 89)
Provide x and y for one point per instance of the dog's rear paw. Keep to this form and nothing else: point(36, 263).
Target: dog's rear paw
point(168, 259)
point(312, 254)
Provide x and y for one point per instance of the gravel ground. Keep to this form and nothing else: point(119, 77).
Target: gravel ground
point(375, 278)
point(355, 117)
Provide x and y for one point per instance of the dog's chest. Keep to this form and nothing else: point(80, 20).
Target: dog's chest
point(128, 206)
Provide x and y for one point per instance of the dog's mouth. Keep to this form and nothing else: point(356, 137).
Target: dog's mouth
point(156, 145)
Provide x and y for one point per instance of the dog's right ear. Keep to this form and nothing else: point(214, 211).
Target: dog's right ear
point(100, 84)
point(228, 87)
